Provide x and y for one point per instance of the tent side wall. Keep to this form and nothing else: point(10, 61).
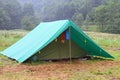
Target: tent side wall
point(87, 43)
point(58, 50)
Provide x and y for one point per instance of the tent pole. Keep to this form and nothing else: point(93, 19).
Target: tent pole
point(70, 45)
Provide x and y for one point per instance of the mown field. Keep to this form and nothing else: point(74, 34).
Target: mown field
point(95, 69)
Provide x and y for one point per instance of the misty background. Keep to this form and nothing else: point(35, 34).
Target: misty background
point(104, 15)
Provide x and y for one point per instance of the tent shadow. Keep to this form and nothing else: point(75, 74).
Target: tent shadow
point(67, 61)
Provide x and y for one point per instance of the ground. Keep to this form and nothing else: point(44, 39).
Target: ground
point(78, 69)
point(63, 70)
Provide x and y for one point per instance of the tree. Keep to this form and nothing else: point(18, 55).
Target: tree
point(4, 20)
point(101, 16)
point(78, 19)
point(10, 14)
point(29, 20)
point(13, 9)
point(28, 9)
point(15, 15)
point(65, 12)
point(108, 16)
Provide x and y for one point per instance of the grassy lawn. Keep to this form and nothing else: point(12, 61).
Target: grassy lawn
point(110, 42)
point(96, 69)
point(90, 28)
point(7, 38)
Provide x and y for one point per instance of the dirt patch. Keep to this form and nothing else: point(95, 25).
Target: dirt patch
point(61, 70)
point(116, 49)
point(1, 69)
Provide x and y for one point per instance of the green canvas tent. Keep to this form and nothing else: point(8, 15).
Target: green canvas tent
point(44, 43)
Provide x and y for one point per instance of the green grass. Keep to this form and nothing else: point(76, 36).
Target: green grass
point(110, 42)
point(105, 39)
point(90, 28)
point(112, 73)
point(7, 38)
